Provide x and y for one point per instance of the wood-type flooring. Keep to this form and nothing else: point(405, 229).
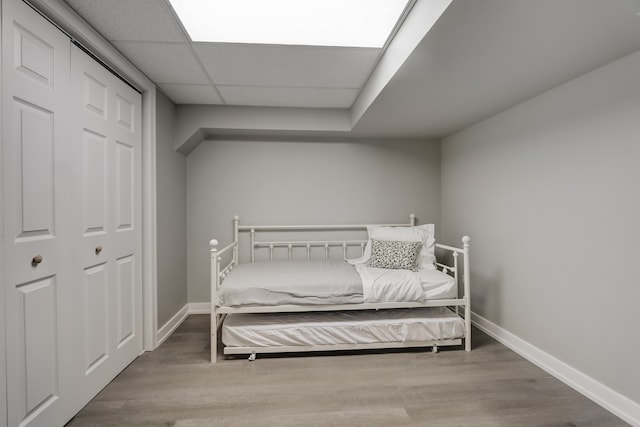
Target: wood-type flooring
point(490, 386)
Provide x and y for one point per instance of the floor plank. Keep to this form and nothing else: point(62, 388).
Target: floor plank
point(490, 386)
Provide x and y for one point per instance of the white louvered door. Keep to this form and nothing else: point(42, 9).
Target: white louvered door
point(37, 278)
point(106, 225)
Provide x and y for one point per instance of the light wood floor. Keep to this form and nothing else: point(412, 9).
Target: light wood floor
point(490, 386)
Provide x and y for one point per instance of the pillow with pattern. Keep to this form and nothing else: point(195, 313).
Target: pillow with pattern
point(394, 254)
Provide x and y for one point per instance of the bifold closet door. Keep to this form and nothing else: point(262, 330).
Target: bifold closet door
point(106, 222)
point(37, 206)
point(71, 206)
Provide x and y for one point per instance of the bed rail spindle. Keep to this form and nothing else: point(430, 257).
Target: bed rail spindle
point(455, 277)
point(308, 251)
point(326, 251)
point(290, 251)
point(236, 221)
point(271, 252)
point(362, 249)
point(344, 250)
point(252, 232)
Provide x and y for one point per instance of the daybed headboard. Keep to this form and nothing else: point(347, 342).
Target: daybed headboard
point(259, 232)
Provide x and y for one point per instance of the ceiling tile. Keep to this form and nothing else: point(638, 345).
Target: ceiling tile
point(191, 94)
point(287, 66)
point(164, 62)
point(134, 20)
point(288, 97)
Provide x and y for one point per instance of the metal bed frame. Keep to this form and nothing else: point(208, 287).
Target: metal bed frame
point(225, 259)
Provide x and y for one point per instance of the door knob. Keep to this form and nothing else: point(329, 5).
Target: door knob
point(98, 250)
point(36, 260)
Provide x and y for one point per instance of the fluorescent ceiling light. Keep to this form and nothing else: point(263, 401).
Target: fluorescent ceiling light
point(355, 23)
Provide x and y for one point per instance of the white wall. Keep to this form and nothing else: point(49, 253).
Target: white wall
point(274, 182)
point(171, 190)
point(549, 193)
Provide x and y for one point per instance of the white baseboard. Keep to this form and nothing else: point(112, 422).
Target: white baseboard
point(190, 308)
point(609, 399)
point(167, 329)
point(199, 308)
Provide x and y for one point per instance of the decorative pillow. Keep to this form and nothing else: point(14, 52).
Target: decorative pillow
point(419, 233)
point(394, 254)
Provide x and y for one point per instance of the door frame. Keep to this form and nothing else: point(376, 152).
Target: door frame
point(64, 17)
point(3, 367)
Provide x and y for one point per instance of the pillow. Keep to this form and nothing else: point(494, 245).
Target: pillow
point(420, 233)
point(394, 254)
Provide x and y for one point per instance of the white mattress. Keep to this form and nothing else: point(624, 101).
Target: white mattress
point(312, 282)
point(341, 327)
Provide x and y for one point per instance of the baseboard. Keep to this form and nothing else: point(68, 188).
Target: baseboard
point(199, 308)
point(609, 399)
point(190, 308)
point(167, 329)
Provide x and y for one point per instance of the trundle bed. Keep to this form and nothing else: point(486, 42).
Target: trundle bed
point(395, 294)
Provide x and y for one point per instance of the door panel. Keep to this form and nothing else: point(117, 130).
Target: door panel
point(107, 237)
point(33, 57)
point(94, 182)
point(124, 186)
point(34, 139)
point(95, 96)
point(37, 306)
point(125, 113)
point(96, 321)
point(36, 208)
point(125, 299)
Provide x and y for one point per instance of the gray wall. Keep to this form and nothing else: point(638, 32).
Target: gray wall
point(549, 193)
point(171, 173)
point(273, 182)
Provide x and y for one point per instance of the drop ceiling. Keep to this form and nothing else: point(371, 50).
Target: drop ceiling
point(150, 35)
point(481, 57)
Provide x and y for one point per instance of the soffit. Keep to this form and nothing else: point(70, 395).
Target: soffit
point(483, 57)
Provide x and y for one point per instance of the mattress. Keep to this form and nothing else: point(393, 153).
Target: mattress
point(314, 282)
point(341, 327)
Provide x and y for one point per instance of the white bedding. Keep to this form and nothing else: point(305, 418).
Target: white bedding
point(329, 282)
point(341, 327)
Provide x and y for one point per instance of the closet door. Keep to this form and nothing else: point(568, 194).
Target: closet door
point(37, 277)
point(106, 226)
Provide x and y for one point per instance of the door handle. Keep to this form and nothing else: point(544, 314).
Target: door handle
point(98, 250)
point(36, 260)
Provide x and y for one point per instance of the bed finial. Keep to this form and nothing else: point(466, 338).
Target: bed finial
point(412, 219)
point(236, 218)
point(466, 240)
point(213, 245)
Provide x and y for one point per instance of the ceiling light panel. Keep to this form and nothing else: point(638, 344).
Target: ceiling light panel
point(349, 23)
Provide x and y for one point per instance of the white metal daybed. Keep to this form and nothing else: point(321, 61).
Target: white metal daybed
point(309, 305)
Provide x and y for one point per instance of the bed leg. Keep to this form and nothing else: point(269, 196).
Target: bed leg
point(434, 349)
point(214, 338)
point(252, 356)
point(467, 338)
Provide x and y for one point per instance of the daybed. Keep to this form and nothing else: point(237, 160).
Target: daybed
point(395, 294)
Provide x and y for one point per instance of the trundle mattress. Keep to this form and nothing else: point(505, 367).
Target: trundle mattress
point(341, 327)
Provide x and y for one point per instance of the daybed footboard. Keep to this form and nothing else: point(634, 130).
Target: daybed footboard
point(225, 259)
